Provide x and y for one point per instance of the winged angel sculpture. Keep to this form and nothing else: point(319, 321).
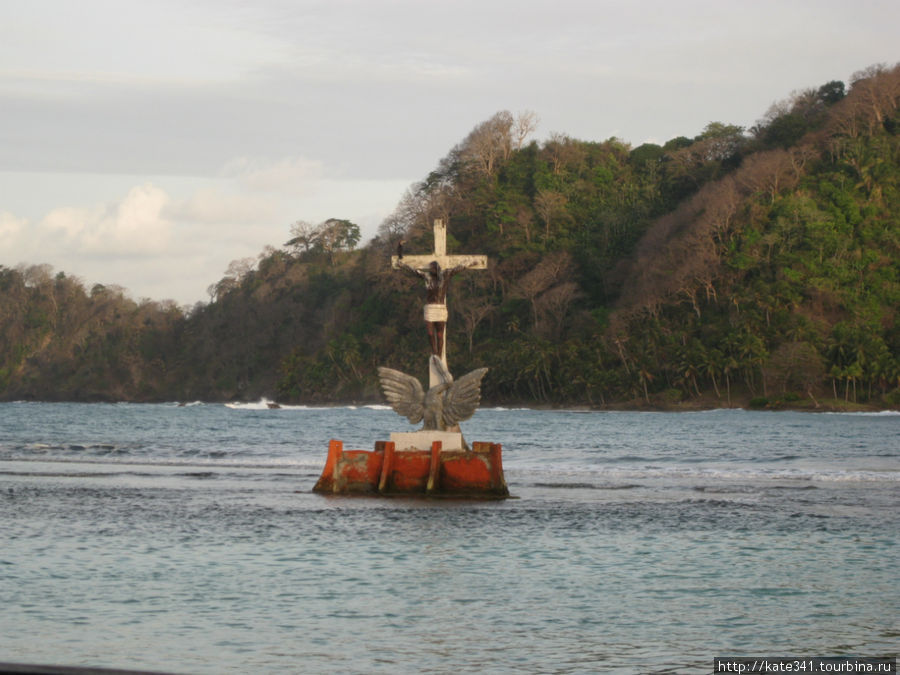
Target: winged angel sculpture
point(443, 406)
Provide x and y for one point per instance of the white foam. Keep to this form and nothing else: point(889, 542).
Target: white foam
point(714, 474)
point(875, 413)
point(266, 404)
point(261, 404)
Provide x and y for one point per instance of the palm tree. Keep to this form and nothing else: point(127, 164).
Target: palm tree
point(712, 365)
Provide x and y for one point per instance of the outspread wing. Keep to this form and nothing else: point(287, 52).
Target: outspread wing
point(462, 399)
point(404, 393)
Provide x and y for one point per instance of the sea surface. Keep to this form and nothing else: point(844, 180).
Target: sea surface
point(186, 539)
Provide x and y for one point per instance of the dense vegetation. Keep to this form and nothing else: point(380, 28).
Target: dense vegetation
point(758, 266)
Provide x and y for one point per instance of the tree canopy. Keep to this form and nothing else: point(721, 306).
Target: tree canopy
point(737, 266)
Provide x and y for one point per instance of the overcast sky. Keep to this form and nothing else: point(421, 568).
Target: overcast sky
point(150, 143)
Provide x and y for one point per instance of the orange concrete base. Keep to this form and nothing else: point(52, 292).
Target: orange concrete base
point(475, 473)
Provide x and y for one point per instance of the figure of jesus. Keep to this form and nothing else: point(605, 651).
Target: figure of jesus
point(436, 282)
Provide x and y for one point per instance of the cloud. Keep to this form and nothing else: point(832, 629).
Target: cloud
point(218, 206)
point(133, 226)
point(11, 228)
point(172, 236)
point(251, 191)
point(288, 175)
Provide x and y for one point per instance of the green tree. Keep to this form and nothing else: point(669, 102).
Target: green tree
point(326, 238)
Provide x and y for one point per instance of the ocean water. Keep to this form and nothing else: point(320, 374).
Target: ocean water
point(185, 539)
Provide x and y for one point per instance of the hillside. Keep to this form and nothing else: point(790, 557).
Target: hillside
point(738, 266)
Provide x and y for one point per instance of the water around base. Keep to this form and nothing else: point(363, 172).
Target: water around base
point(186, 539)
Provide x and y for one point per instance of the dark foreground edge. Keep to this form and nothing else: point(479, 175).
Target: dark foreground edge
point(34, 669)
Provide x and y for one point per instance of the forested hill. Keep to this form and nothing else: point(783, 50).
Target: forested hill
point(740, 266)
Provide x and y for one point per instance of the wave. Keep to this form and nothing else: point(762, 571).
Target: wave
point(261, 404)
point(266, 404)
point(203, 462)
point(588, 486)
point(623, 475)
point(73, 448)
point(871, 413)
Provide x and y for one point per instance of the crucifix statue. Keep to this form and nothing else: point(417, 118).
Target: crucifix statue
point(437, 269)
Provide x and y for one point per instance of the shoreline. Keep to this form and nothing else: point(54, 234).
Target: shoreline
point(705, 404)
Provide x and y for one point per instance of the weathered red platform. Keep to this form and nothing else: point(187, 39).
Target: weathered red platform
point(475, 473)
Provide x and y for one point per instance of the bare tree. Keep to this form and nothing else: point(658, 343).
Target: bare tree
point(876, 91)
point(874, 95)
point(336, 234)
point(767, 172)
point(494, 140)
point(552, 307)
point(563, 151)
point(488, 143)
point(36, 276)
point(240, 268)
point(525, 220)
point(526, 123)
point(472, 315)
point(551, 269)
point(549, 205)
point(800, 156)
point(303, 236)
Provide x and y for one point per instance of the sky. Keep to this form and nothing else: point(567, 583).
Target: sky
point(148, 144)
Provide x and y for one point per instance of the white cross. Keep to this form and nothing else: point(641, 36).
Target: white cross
point(422, 262)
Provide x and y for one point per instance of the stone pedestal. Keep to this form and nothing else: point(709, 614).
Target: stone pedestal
point(422, 440)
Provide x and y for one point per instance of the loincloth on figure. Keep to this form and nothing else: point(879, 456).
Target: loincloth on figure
point(435, 312)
